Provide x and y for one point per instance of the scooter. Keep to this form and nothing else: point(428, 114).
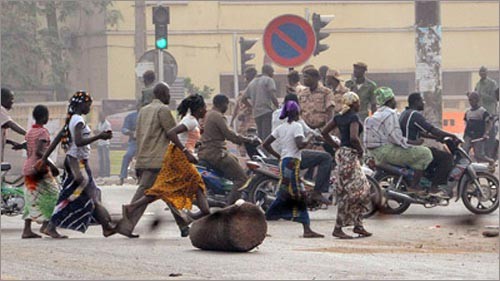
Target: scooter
point(264, 185)
point(12, 203)
point(469, 181)
point(218, 186)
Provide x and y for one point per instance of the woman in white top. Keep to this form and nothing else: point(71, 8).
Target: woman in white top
point(290, 201)
point(179, 183)
point(79, 203)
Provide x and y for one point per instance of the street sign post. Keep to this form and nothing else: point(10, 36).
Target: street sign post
point(289, 40)
point(148, 61)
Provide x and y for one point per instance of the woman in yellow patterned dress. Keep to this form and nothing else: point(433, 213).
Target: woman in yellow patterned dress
point(179, 182)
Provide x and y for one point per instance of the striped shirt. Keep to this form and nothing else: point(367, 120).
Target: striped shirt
point(36, 133)
point(383, 128)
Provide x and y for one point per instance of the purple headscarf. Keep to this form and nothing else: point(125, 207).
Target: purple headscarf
point(290, 108)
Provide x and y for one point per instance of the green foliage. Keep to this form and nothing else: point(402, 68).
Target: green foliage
point(190, 88)
point(34, 39)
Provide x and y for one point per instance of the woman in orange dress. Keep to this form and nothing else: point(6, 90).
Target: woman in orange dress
point(179, 182)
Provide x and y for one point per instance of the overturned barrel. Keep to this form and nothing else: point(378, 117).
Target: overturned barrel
point(237, 228)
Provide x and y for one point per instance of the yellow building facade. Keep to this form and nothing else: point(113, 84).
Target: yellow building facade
point(379, 33)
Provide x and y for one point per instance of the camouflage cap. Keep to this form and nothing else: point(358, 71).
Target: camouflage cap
point(333, 73)
point(361, 65)
point(383, 94)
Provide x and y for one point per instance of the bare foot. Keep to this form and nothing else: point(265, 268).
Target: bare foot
point(312, 234)
point(43, 227)
point(29, 235)
point(108, 231)
point(337, 232)
point(54, 234)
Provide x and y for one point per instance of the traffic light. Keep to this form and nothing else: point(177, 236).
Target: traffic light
point(245, 45)
point(320, 21)
point(161, 19)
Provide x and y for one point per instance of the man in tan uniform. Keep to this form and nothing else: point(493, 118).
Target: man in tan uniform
point(316, 101)
point(334, 83)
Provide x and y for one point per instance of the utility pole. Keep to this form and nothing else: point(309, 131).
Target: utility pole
point(428, 37)
point(140, 40)
point(235, 67)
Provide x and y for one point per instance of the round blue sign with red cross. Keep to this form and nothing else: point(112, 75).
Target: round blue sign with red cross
point(289, 40)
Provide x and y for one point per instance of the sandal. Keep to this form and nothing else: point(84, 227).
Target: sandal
point(361, 231)
point(337, 232)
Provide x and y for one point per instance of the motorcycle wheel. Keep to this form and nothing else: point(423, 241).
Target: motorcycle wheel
point(392, 206)
point(262, 191)
point(375, 198)
point(472, 198)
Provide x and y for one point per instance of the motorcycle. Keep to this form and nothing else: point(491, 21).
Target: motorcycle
point(469, 181)
point(264, 185)
point(12, 203)
point(219, 187)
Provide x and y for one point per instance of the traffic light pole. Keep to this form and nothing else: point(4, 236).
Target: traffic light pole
point(160, 66)
point(235, 67)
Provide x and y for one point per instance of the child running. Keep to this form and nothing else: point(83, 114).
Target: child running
point(40, 187)
point(78, 204)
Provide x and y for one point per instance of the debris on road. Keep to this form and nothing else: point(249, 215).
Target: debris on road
point(490, 233)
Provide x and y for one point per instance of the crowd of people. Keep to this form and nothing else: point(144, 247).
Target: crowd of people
point(317, 105)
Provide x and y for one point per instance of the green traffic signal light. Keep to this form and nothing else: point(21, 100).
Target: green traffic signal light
point(161, 43)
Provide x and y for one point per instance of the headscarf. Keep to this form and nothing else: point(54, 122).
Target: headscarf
point(291, 108)
point(348, 99)
point(383, 94)
point(78, 98)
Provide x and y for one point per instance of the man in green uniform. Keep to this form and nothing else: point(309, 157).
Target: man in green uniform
point(365, 88)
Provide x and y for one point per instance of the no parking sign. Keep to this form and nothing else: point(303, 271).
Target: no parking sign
point(289, 40)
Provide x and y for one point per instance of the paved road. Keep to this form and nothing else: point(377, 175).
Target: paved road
point(439, 243)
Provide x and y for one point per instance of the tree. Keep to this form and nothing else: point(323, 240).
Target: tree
point(191, 89)
point(31, 44)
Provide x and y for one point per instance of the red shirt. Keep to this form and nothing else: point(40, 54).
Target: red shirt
point(37, 132)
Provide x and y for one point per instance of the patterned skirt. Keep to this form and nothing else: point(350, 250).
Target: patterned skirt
point(353, 189)
point(290, 201)
point(40, 196)
point(178, 180)
point(75, 206)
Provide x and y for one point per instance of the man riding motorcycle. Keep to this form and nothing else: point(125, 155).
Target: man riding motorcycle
point(384, 139)
point(213, 147)
point(414, 126)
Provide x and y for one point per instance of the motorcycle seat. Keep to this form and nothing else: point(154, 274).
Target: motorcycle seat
point(394, 169)
point(6, 166)
point(207, 165)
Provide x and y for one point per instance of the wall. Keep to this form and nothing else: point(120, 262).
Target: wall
point(378, 33)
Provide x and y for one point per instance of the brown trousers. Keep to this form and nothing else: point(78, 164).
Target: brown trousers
point(230, 166)
point(146, 180)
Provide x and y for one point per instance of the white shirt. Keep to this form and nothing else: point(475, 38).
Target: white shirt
point(286, 134)
point(276, 121)
point(4, 118)
point(82, 152)
point(192, 135)
point(383, 128)
point(101, 127)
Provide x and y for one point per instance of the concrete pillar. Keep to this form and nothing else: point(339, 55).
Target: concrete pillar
point(428, 76)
